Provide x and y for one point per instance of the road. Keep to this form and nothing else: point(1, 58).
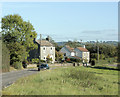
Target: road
point(10, 77)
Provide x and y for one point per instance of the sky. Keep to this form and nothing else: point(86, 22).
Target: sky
point(65, 21)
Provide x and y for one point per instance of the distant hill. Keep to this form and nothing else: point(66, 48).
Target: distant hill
point(61, 43)
point(106, 42)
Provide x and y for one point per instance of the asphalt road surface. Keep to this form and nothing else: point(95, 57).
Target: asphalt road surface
point(10, 77)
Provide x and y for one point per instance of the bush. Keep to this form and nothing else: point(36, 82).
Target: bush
point(42, 60)
point(5, 58)
point(17, 65)
point(36, 60)
point(24, 63)
point(102, 56)
point(93, 62)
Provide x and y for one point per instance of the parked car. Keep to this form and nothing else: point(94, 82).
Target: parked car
point(43, 66)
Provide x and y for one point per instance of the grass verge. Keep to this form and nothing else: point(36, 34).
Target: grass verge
point(67, 81)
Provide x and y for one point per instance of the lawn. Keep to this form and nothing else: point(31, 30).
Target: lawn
point(67, 81)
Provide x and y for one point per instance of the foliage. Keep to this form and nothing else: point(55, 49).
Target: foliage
point(5, 58)
point(49, 60)
point(93, 62)
point(85, 60)
point(42, 61)
point(73, 44)
point(75, 60)
point(68, 60)
point(19, 36)
point(17, 65)
point(17, 52)
point(36, 60)
point(58, 56)
point(105, 50)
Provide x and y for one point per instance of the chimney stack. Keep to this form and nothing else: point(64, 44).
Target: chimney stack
point(48, 38)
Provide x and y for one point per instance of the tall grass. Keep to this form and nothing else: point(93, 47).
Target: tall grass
point(67, 81)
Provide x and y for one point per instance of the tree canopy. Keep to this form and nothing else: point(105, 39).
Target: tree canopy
point(18, 36)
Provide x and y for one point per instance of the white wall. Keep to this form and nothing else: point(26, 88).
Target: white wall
point(86, 55)
point(82, 55)
point(49, 50)
point(72, 53)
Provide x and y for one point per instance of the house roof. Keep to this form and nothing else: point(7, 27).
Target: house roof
point(69, 48)
point(82, 49)
point(44, 43)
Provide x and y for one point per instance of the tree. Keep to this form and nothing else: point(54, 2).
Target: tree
point(17, 52)
point(14, 29)
point(59, 56)
point(5, 58)
point(19, 36)
point(49, 59)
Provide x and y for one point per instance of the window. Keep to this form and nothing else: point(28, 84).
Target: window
point(44, 57)
point(64, 54)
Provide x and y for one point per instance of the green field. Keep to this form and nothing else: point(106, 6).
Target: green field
point(67, 81)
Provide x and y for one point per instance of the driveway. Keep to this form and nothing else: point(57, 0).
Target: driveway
point(10, 77)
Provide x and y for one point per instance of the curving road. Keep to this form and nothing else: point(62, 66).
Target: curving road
point(10, 77)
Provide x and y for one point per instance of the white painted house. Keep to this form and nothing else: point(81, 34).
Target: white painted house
point(67, 51)
point(46, 49)
point(83, 53)
point(79, 52)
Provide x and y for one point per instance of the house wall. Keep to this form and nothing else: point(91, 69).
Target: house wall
point(78, 53)
point(47, 50)
point(72, 53)
point(83, 55)
point(86, 55)
point(64, 50)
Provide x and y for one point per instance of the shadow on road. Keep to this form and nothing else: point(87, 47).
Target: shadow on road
point(32, 70)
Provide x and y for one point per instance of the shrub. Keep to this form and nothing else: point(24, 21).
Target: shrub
point(17, 65)
point(5, 58)
point(93, 62)
point(24, 63)
point(36, 60)
point(102, 56)
point(42, 60)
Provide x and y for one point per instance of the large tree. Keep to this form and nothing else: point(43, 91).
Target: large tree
point(19, 33)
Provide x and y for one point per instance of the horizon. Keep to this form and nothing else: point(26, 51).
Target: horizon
point(65, 21)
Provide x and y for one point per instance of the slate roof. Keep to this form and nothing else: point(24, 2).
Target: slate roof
point(44, 43)
point(82, 49)
point(69, 48)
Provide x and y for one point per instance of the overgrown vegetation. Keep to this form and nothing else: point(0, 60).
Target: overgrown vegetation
point(67, 81)
point(5, 58)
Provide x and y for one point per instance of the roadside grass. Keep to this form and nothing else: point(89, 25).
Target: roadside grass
point(67, 81)
point(106, 61)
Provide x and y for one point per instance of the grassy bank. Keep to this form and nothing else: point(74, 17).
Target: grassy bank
point(67, 81)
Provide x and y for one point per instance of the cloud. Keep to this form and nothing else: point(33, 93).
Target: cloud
point(104, 31)
point(92, 32)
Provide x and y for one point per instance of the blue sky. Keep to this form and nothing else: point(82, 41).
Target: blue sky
point(69, 20)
